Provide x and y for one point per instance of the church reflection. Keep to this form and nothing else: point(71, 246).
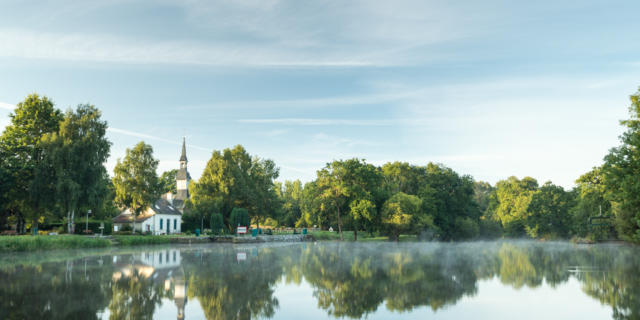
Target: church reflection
point(152, 275)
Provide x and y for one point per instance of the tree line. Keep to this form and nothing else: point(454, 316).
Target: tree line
point(52, 170)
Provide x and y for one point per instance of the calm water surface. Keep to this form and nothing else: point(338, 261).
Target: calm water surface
point(480, 280)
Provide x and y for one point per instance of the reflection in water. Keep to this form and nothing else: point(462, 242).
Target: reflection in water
point(346, 279)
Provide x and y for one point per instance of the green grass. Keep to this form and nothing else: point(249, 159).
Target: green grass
point(33, 243)
point(141, 240)
point(323, 235)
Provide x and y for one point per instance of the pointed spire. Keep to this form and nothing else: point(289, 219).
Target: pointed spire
point(183, 157)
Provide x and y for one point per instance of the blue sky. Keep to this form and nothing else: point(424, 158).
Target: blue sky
point(489, 88)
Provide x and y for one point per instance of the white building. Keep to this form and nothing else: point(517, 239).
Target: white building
point(164, 216)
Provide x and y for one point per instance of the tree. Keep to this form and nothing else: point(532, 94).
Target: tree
point(361, 210)
point(448, 197)
point(549, 212)
point(20, 144)
point(233, 178)
point(620, 170)
point(168, 181)
point(402, 213)
point(291, 196)
point(73, 160)
point(334, 189)
point(135, 179)
point(592, 200)
point(216, 223)
point(513, 197)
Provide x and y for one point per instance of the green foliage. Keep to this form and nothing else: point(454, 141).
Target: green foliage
point(216, 224)
point(549, 212)
point(620, 172)
point(22, 156)
point(73, 162)
point(341, 183)
point(135, 179)
point(239, 217)
point(403, 213)
point(233, 178)
point(291, 196)
point(32, 243)
point(591, 200)
point(167, 182)
point(513, 197)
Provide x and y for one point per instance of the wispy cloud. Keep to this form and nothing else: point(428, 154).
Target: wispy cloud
point(319, 122)
point(242, 33)
point(151, 137)
point(7, 106)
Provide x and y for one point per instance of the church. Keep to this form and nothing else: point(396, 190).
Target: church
point(164, 216)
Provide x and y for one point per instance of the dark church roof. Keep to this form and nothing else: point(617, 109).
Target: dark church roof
point(161, 206)
point(183, 157)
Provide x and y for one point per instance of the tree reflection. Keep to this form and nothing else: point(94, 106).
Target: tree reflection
point(228, 288)
point(347, 279)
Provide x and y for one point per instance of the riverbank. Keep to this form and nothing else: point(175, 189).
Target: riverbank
point(34, 243)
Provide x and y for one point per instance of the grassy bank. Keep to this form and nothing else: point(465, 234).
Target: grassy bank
point(141, 240)
point(33, 243)
point(323, 235)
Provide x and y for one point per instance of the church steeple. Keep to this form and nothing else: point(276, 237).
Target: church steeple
point(183, 157)
point(182, 177)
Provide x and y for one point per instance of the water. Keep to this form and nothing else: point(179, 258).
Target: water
point(480, 280)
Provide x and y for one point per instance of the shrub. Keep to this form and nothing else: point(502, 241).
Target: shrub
point(216, 223)
point(239, 217)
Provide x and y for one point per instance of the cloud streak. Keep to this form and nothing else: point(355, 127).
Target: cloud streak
point(151, 137)
point(7, 106)
point(319, 122)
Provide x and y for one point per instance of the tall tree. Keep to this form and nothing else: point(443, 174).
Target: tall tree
point(592, 200)
point(135, 179)
point(620, 169)
point(74, 158)
point(549, 212)
point(334, 189)
point(291, 196)
point(33, 118)
point(233, 178)
point(513, 197)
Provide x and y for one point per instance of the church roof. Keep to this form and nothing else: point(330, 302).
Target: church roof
point(183, 157)
point(160, 206)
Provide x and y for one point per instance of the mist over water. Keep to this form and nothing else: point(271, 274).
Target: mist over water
point(480, 280)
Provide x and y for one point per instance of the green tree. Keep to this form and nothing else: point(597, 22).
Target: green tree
point(73, 158)
point(334, 189)
point(291, 196)
point(216, 223)
point(22, 155)
point(620, 170)
point(168, 181)
point(135, 179)
point(513, 196)
point(549, 212)
point(233, 178)
point(592, 200)
point(403, 213)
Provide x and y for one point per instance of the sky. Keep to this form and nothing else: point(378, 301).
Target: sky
point(489, 88)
